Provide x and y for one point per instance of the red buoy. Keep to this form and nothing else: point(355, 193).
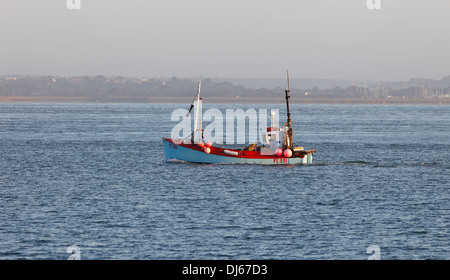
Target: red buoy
point(288, 153)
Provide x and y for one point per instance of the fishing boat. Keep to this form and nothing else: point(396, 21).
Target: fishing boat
point(277, 146)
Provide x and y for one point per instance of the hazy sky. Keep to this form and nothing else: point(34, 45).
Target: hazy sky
point(227, 38)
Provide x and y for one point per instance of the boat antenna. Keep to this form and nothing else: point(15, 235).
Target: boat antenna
point(289, 143)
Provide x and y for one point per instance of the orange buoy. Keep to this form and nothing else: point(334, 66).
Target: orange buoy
point(207, 150)
point(288, 153)
point(279, 152)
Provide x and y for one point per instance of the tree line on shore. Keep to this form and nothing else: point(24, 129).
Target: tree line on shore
point(101, 86)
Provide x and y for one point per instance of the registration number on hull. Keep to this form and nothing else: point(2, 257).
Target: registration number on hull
point(173, 146)
point(280, 160)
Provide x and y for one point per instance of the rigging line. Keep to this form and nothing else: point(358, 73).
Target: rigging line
point(192, 104)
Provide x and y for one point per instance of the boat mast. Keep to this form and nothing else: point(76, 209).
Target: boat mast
point(288, 139)
point(196, 113)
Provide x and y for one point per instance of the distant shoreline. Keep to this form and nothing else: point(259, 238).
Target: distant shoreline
point(224, 100)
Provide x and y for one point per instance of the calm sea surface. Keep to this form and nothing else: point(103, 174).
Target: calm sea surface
point(94, 176)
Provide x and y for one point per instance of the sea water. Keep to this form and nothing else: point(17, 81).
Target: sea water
point(93, 176)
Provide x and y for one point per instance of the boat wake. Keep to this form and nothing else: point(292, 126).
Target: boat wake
point(352, 163)
point(381, 165)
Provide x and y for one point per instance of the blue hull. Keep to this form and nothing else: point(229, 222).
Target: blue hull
point(175, 152)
